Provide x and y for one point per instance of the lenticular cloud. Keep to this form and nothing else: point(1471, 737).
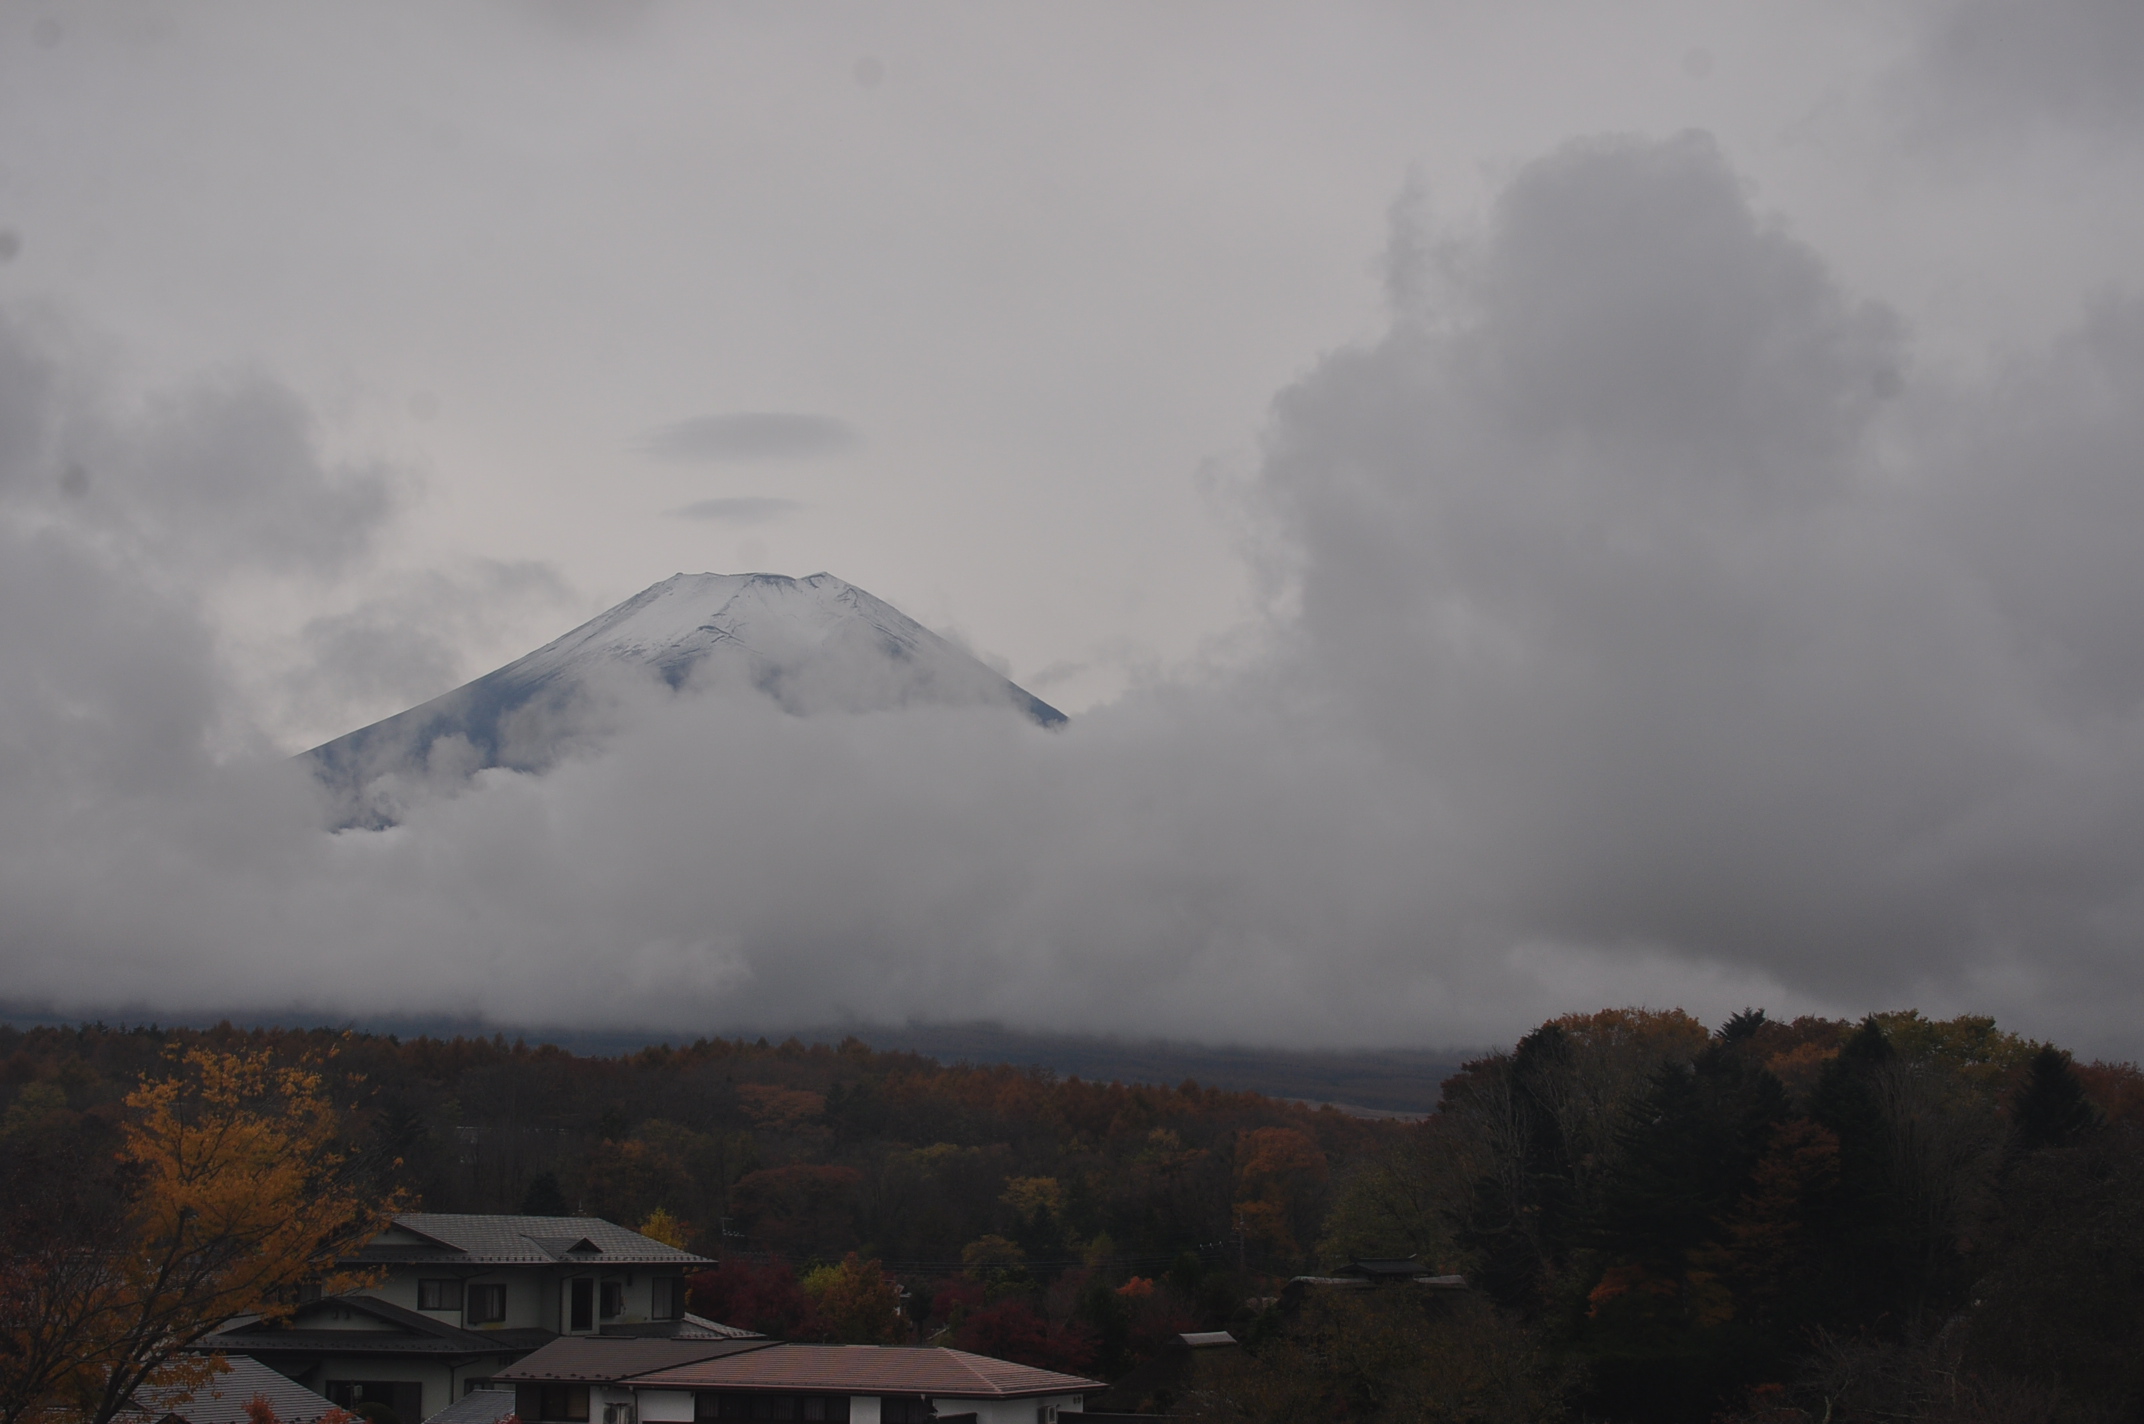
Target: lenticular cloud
point(1649, 629)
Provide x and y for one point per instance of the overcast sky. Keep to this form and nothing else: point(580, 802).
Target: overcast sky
point(1531, 507)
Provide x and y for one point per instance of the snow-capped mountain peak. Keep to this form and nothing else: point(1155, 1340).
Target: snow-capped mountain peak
point(813, 644)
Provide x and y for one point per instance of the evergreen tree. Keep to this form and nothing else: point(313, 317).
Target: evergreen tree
point(544, 1198)
point(2050, 1109)
point(1856, 1227)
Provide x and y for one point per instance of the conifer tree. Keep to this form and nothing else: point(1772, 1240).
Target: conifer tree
point(2050, 1108)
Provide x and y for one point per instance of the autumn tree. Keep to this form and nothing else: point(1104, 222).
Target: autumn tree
point(1387, 1355)
point(236, 1190)
point(63, 1184)
point(857, 1304)
point(1279, 1175)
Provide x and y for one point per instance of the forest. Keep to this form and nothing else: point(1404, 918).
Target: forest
point(1895, 1218)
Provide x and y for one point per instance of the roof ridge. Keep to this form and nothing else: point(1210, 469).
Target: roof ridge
point(386, 1309)
point(962, 1357)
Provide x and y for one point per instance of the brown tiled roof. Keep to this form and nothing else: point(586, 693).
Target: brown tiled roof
point(604, 1359)
point(692, 1327)
point(865, 1369)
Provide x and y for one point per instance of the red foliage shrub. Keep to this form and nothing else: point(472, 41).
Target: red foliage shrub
point(762, 1297)
point(1012, 1330)
point(956, 1293)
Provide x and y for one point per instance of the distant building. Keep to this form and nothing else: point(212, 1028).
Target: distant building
point(1363, 1275)
point(611, 1381)
point(462, 1298)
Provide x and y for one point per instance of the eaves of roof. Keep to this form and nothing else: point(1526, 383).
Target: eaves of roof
point(867, 1369)
point(475, 1239)
point(599, 1359)
point(377, 1342)
point(413, 1333)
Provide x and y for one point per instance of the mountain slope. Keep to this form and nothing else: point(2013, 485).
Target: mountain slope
point(812, 645)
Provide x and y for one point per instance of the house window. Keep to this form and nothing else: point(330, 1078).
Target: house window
point(380, 1401)
point(487, 1305)
point(439, 1295)
point(667, 1298)
point(581, 1306)
point(564, 1402)
point(905, 1411)
point(613, 1299)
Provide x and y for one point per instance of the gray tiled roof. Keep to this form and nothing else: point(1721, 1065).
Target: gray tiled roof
point(479, 1406)
point(692, 1327)
point(598, 1359)
point(413, 1334)
point(224, 1398)
point(476, 1240)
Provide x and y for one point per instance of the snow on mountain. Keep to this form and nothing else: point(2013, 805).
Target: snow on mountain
point(812, 645)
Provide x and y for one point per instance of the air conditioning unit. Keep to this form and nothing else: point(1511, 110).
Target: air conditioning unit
point(617, 1414)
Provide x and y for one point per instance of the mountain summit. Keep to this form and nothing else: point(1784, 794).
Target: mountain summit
point(812, 645)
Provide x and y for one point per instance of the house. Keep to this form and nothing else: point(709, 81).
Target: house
point(1407, 1270)
point(459, 1298)
point(583, 1381)
point(1366, 1275)
point(228, 1396)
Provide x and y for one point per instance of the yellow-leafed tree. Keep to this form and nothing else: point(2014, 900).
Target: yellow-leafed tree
point(234, 1193)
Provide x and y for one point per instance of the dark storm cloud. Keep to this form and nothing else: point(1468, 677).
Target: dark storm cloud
point(1651, 630)
point(740, 509)
point(752, 435)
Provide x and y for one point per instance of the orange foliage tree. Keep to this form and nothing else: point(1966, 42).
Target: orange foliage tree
point(236, 1193)
point(1278, 1171)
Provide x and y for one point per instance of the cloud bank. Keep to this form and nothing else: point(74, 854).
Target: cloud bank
point(738, 509)
point(752, 435)
point(1645, 626)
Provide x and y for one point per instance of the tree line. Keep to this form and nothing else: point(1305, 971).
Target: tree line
point(1893, 1218)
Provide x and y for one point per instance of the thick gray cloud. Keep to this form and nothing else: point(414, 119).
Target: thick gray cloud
point(2075, 61)
point(407, 645)
point(1713, 630)
point(1646, 627)
point(739, 509)
point(752, 435)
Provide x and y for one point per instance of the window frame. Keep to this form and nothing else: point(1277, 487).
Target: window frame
point(439, 1293)
point(489, 1291)
point(556, 1403)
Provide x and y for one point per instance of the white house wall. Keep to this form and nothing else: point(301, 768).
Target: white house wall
point(666, 1406)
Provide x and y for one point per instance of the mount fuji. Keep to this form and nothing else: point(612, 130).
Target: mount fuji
point(812, 644)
